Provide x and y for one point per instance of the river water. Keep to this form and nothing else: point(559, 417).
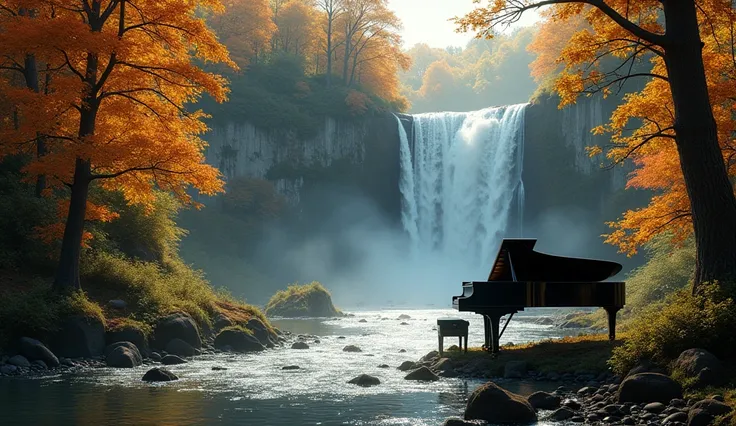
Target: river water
point(255, 391)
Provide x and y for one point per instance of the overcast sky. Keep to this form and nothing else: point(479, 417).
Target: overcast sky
point(427, 21)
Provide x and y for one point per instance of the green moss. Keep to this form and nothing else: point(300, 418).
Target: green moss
point(310, 300)
point(237, 328)
point(119, 324)
point(584, 354)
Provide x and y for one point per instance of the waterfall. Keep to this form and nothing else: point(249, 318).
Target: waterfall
point(463, 185)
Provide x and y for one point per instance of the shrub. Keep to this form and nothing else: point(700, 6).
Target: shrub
point(684, 321)
point(310, 300)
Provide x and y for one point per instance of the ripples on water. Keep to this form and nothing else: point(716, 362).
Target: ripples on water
point(255, 391)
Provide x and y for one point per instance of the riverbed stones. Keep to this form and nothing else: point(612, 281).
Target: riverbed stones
point(562, 414)
point(407, 365)
point(19, 361)
point(351, 348)
point(648, 387)
point(238, 341)
point(299, 345)
point(422, 374)
point(455, 421)
point(179, 347)
point(159, 375)
point(79, 337)
point(172, 360)
point(701, 365)
point(290, 367)
point(33, 350)
point(123, 355)
point(678, 417)
point(155, 356)
point(177, 326)
point(544, 401)
point(384, 366)
point(654, 407)
point(365, 380)
point(496, 405)
point(7, 369)
point(571, 404)
point(128, 333)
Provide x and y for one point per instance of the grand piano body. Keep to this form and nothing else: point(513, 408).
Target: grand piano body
point(522, 277)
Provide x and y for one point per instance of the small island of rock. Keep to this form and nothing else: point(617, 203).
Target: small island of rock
point(309, 300)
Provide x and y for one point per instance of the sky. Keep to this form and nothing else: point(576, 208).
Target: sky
point(427, 21)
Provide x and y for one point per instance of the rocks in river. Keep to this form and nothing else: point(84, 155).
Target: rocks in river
point(238, 340)
point(571, 404)
point(701, 365)
point(363, 320)
point(79, 337)
point(544, 401)
point(156, 356)
point(179, 347)
point(422, 374)
point(261, 332)
point(402, 351)
point(341, 337)
point(453, 348)
point(290, 367)
point(221, 321)
point(384, 366)
point(403, 317)
point(172, 360)
point(19, 361)
point(703, 412)
point(648, 387)
point(455, 421)
point(561, 414)
point(365, 380)
point(351, 348)
point(407, 365)
point(33, 350)
point(515, 370)
point(498, 406)
point(177, 326)
point(430, 356)
point(8, 369)
point(218, 368)
point(128, 333)
point(678, 417)
point(299, 345)
point(654, 407)
point(310, 300)
point(123, 355)
point(159, 375)
point(403, 323)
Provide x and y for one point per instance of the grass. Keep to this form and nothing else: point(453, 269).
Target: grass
point(578, 355)
point(302, 300)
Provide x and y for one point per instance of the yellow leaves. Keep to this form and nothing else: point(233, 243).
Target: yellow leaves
point(357, 102)
point(593, 151)
point(569, 86)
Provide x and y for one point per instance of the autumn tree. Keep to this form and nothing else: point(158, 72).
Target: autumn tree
point(246, 28)
point(297, 30)
point(333, 10)
point(670, 31)
point(116, 113)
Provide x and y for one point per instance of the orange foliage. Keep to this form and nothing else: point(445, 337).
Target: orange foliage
point(246, 28)
point(357, 102)
point(297, 30)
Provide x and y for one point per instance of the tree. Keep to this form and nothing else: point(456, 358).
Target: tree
point(246, 28)
point(116, 113)
point(332, 9)
point(671, 31)
point(296, 28)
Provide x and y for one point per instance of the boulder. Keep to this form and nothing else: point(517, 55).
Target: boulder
point(176, 326)
point(19, 361)
point(423, 374)
point(238, 341)
point(159, 375)
point(351, 348)
point(700, 365)
point(8, 369)
point(39, 364)
point(299, 345)
point(221, 321)
point(33, 350)
point(648, 387)
point(561, 414)
point(498, 406)
point(403, 317)
point(131, 334)
point(179, 347)
point(646, 367)
point(79, 337)
point(123, 355)
point(678, 417)
point(290, 367)
point(515, 370)
point(365, 380)
point(454, 421)
point(544, 401)
point(172, 360)
point(156, 356)
point(363, 320)
point(384, 366)
point(654, 407)
point(572, 404)
point(402, 351)
point(260, 331)
point(117, 304)
point(407, 365)
point(430, 356)
point(712, 407)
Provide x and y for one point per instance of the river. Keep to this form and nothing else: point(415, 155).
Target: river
point(254, 390)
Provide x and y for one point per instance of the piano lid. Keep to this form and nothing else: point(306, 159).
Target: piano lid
point(517, 261)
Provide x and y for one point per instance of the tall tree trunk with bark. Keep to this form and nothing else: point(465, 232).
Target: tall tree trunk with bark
point(709, 189)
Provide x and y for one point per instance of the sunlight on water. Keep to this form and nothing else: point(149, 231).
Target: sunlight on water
point(255, 391)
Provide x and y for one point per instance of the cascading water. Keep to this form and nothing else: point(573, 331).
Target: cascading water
point(463, 183)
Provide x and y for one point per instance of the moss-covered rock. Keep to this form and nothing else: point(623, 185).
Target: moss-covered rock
point(311, 300)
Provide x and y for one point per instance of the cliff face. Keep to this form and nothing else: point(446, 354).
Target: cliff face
point(361, 154)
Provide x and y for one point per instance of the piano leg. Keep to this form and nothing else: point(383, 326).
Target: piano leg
point(495, 320)
point(612, 310)
point(487, 331)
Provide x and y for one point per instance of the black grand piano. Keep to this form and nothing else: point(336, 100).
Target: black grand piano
point(522, 277)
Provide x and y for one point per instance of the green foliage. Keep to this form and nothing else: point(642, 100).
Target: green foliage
point(254, 200)
point(119, 324)
point(278, 95)
point(36, 311)
point(237, 328)
point(684, 321)
point(302, 300)
point(20, 213)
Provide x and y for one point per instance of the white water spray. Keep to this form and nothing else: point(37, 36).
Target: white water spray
point(459, 188)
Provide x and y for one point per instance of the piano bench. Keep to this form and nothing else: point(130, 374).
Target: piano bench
point(451, 327)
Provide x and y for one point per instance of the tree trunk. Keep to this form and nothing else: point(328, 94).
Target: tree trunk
point(346, 59)
point(329, 50)
point(67, 274)
point(711, 194)
point(30, 73)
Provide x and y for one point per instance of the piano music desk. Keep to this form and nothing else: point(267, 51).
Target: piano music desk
point(450, 327)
